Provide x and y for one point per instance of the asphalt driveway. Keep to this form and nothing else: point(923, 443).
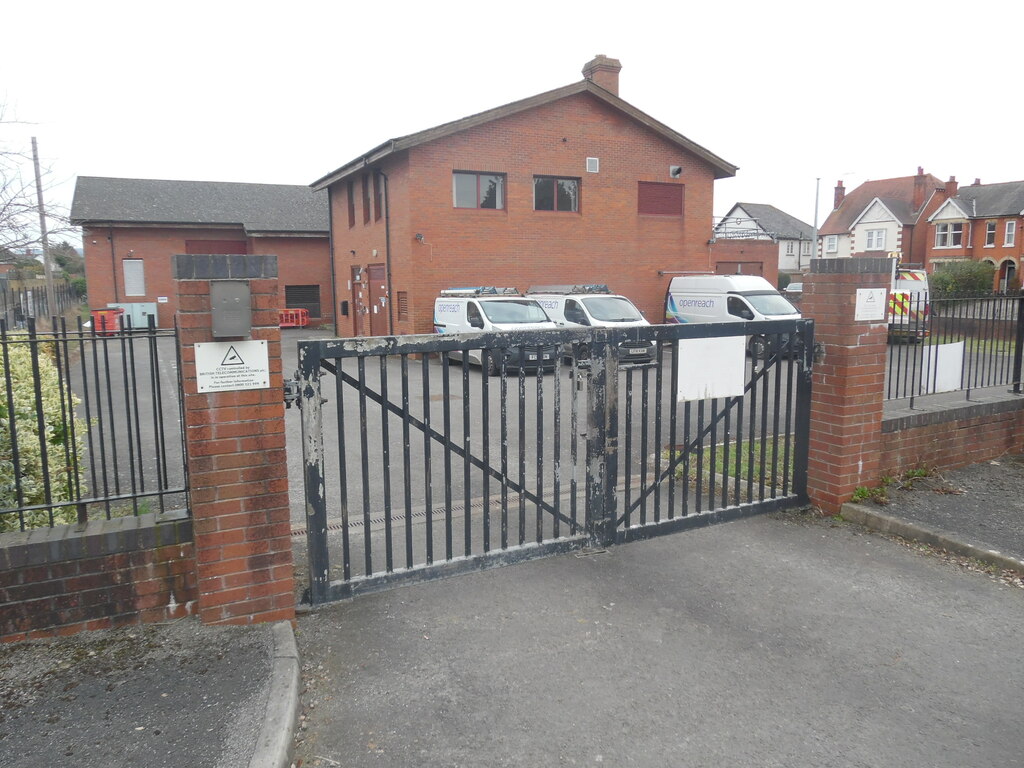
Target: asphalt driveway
point(773, 641)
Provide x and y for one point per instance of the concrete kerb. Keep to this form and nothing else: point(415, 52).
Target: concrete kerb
point(875, 520)
point(274, 744)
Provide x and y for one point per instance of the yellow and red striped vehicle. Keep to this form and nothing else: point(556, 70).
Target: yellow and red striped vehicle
point(909, 305)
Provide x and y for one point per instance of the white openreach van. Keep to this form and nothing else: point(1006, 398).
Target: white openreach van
point(595, 306)
point(726, 298)
point(466, 310)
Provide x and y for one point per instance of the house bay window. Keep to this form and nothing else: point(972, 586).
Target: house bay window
point(876, 240)
point(949, 235)
point(478, 190)
point(552, 193)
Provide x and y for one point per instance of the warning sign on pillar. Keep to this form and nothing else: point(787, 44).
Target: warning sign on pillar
point(224, 366)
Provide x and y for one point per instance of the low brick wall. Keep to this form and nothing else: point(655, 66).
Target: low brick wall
point(57, 581)
point(952, 438)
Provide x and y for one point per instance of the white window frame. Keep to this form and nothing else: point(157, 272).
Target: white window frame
point(990, 234)
point(875, 240)
point(831, 243)
point(134, 282)
point(1010, 236)
point(789, 247)
point(944, 234)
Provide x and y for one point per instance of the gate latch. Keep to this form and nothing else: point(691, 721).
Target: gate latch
point(291, 392)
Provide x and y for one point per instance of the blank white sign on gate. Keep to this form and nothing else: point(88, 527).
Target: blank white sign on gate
point(711, 367)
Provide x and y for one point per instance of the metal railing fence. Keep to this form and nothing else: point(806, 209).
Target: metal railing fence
point(18, 304)
point(90, 424)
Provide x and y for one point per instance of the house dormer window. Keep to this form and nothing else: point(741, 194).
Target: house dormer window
point(1011, 234)
point(949, 235)
point(876, 240)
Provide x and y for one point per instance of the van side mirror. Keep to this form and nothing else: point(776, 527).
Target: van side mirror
point(476, 322)
point(746, 314)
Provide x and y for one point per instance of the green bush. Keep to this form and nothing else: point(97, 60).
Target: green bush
point(56, 437)
point(963, 277)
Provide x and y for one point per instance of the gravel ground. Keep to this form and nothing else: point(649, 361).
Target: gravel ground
point(170, 695)
point(982, 504)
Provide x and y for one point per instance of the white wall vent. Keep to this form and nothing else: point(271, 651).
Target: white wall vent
point(675, 171)
point(593, 165)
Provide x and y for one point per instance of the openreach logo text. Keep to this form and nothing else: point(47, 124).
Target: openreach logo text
point(697, 303)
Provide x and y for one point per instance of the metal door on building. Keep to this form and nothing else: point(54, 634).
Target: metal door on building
point(378, 294)
point(417, 468)
point(359, 300)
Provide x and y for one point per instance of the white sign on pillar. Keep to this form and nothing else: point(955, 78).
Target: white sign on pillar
point(224, 366)
point(870, 304)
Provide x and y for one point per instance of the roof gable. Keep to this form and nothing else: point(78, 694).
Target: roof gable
point(775, 223)
point(899, 189)
point(721, 168)
point(951, 209)
point(258, 208)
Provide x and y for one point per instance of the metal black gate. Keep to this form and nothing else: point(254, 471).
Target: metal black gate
point(419, 466)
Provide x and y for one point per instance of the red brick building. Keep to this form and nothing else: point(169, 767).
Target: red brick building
point(573, 185)
point(132, 227)
point(883, 217)
point(981, 222)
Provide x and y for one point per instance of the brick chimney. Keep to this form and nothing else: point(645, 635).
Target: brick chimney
point(604, 72)
point(951, 187)
point(977, 183)
point(920, 184)
point(840, 194)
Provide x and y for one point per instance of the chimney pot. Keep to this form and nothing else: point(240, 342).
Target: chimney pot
point(920, 170)
point(840, 194)
point(951, 187)
point(604, 72)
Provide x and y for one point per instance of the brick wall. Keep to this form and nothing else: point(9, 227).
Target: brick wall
point(104, 574)
point(238, 468)
point(952, 438)
point(765, 253)
point(607, 241)
point(303, 261)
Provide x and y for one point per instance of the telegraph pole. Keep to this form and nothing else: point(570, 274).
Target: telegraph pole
point(51, 303)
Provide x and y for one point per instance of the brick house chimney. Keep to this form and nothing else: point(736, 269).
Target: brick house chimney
point(840, 194)
point(604, 72)
point(919, 188)
point(977, 183)
point(951, 187)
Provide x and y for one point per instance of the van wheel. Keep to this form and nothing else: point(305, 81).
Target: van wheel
point(758, 347)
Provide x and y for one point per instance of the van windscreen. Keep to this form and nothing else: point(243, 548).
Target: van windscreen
point(512, 311)
point(612, 309)
point(769, 304)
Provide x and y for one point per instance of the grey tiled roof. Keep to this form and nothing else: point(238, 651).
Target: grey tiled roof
point(259, 208)
point(900, 209)
point(984, 200)
point(778, 223)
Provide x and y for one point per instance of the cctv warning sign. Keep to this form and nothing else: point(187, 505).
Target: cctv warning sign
point(225, 366)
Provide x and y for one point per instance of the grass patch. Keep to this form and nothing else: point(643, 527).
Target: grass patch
point(744, 461)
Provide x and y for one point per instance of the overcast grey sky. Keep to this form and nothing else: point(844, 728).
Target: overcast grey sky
point(284, 93)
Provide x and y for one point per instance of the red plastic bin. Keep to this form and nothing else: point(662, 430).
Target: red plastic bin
point(107, 322)
point(294, 318)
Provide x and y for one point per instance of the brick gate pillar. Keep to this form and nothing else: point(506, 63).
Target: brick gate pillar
point(235, 441)
point(848, 380)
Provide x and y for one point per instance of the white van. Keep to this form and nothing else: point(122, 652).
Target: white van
point(595, 306)
point(465, 310)
point(726, 298)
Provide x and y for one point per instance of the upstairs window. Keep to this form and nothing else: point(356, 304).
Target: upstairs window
point(990, 234)
point(789, 247)
point(658, 199)
point(831, 243)
point(366, 199)
point(876, 240)
point(378, 205)
point(552, 193)
point(351, 194)
point(949, 235)
point(1011, 234)
point(478, 190)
